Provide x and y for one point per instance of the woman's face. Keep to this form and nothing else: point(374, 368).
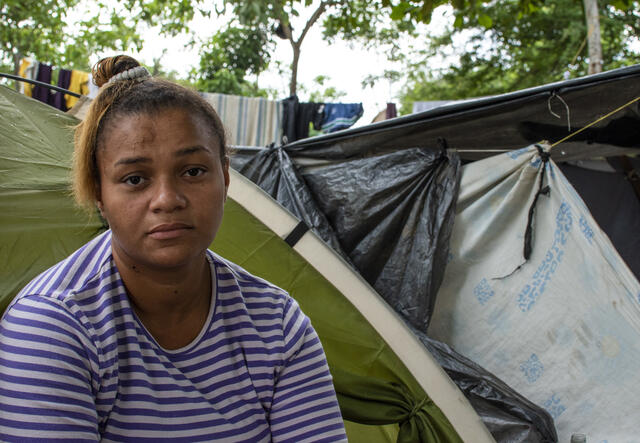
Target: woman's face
point(162, 188)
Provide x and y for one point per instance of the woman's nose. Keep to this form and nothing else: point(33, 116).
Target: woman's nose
point(167, 196)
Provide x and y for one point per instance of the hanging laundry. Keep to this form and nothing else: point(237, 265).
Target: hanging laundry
point(340, 116)
point(64, 79)
point(28, 69)
point(309, 113)
point(389, 112)
point(249, 121)
point(79, 84)
point(297, 117)
point(392, 112)
point(43, 93)
point(290, 107)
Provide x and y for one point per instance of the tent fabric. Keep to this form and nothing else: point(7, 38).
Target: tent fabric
point(561, 328)
point(273, 171)
point(40, 226)
point(34, 192)
point(391, 216)
point(419, 421)
point(509, 416)
point(482, 127)
point(357, 354)
point(307, 192)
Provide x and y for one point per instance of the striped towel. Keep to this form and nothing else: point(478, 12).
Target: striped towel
point(249, 121)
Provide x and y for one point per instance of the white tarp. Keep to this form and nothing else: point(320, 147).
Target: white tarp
point(564, 328)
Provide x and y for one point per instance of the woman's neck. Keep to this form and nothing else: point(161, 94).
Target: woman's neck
point(173, 304)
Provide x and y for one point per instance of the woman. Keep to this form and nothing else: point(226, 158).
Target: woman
point(143, 333)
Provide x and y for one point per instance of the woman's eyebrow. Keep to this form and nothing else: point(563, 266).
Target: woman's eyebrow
point(179, 153)
point(132, 160)
point(191, 150)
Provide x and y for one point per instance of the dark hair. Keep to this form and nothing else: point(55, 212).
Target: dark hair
point(142, 95)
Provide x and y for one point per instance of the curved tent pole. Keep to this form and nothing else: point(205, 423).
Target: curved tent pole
point(39, 83)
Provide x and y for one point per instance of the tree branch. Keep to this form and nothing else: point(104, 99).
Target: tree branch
point(314, 18)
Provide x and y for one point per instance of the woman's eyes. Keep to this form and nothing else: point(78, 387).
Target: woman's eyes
point(137, 180)
point(133, 180)
point(194, 172)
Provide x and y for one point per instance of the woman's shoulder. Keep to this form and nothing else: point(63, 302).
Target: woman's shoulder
point(255, 290)
point(79, 273)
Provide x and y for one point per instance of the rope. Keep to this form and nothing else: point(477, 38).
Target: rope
point(595, 122)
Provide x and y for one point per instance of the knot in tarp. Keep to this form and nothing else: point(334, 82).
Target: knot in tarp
point(375, 401)
point(528, 234)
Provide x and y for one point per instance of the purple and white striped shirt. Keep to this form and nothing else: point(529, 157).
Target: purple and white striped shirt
point(76, 364)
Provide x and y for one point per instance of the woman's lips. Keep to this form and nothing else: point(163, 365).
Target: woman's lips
point(168, 231)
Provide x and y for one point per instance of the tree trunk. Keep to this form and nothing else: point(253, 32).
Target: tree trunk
point(296, 44)
point(293, 84)
point(594, 41)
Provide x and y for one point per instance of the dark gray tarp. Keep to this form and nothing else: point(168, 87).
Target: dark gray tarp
point(391, 216)
point(480, 128)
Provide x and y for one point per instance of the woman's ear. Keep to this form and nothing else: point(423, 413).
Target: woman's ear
point(100, 207)
point(227, 179)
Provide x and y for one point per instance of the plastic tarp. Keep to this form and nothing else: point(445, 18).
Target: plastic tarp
point(481, 127)
point(396, 203)
point(562, 328)
point(391, 215)
point(40, 226)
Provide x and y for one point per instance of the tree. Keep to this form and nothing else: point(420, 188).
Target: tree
point(42, 28)
point(229, 56)
point(367, 21)
point(594, 41)
point(519, 50)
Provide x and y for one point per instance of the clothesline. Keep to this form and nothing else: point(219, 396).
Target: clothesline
point(250, 121)
point(78, 82)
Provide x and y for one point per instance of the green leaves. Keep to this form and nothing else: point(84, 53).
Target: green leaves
point(42, 28)
point(229, 56)
point(485, 20)
point(510, 45)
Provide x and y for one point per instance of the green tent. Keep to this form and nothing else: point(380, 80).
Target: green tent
point(389, 387)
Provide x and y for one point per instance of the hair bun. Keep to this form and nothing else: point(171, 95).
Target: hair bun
point(109, 67)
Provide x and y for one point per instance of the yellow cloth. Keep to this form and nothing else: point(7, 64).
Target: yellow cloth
point(25, 87)
point(79, 84)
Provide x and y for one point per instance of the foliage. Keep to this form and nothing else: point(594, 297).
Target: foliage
point(519, 52)
point(229, 56)
point(366, 22)
point(322, 92)
point(42, 29)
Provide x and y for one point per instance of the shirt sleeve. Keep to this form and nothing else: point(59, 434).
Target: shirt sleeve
point(47, 375)
point(304, 408)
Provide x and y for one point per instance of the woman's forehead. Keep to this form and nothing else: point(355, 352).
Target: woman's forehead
point(142, 128)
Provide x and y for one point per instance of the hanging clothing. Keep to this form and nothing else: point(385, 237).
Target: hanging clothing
point(298, 116)
point(43, 93)
point(28, 69)
point(290, 108)
point(79, 84)
point(309, 113)
point(392, 112)
point(249, 121)
point(64, 79)
point(389, 112)
point(340, 116)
